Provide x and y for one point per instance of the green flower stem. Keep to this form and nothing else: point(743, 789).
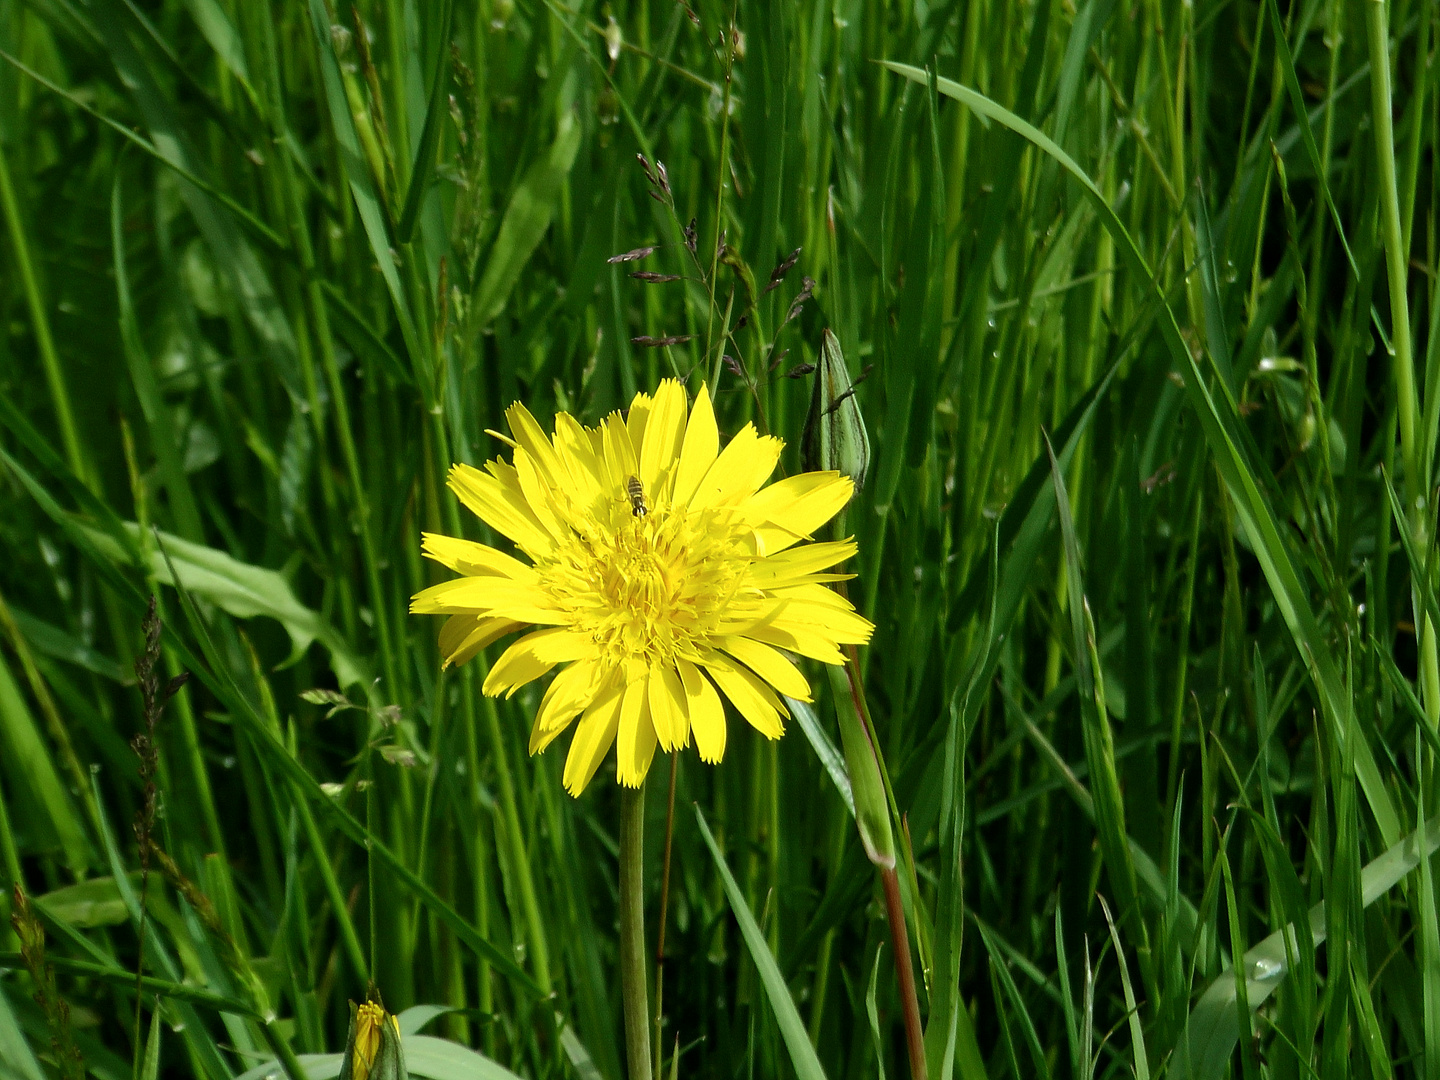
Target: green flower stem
point(632, 932)
point(664, 909)
point(1408, 407)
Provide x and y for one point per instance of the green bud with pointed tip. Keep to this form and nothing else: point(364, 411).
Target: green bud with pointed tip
point(372, 1049)
point(872, 810)
point(835, 436)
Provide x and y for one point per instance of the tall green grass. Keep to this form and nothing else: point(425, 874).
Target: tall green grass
point(1148, 297)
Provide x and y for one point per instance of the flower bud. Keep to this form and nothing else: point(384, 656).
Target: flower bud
point(835, 436)
point(372, 1050)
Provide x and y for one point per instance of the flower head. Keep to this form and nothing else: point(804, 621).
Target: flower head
point(660, 573)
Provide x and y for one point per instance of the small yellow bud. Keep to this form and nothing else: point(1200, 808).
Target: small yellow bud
point(373, 1050)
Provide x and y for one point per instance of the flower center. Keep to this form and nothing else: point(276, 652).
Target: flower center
point(648, 588)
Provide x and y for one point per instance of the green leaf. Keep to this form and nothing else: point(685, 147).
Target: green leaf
point(31, 769)
point(834, 435)
point(1001, 970)
point(16, 1056)
point(90, 903)
point(150, 1067)
point(867, 786)
point(1213, 1029)
point(425, 1055)
point(792, 1030)
point(219, 31)
point(526, 218)
point(1286, 63)
point(830, 757)
point(58, 644)
point(243, 590)
point(422, 173)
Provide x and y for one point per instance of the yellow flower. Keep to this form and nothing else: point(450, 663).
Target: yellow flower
point(659, 571)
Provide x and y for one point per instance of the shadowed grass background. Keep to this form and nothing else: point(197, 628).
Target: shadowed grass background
point(270, 268)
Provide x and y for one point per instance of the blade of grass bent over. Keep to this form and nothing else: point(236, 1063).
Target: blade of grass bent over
point(1213, 1029)
point(1219, 419)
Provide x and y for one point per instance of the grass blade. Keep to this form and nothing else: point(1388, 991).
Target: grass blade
point(792, 1028)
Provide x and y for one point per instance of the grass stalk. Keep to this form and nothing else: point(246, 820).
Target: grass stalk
point(1407, 404)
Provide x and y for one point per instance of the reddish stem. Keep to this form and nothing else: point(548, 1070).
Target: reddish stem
point(904, 973)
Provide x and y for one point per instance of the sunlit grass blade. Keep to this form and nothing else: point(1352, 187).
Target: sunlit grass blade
point(1213, 1029)
point(792, 1028)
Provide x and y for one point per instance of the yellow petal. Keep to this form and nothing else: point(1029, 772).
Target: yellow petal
point(698, 450)
point(668, 709)
point(620, 463)
point(463, 636)
point(635, 745)
point(707, 712)
point(468, 557)
point(535, 654)
point(539, 495)
point(811, 593)
point(769, 664)
point(755, 701)
point(506, 439)
point(739, 470)
point(636, 417)
point(798, 638)
point(664, 431)
point(570, 692)
point(793, 566)
point(532, 438)
point(582, 465)
point(792, 509)
point(456, 629)
point(489, 596)
point(517, 666)
point(841, 626)
point(593, 737)
point(504, 510)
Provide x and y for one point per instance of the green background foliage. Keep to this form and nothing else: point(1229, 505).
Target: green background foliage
point(1147, 294)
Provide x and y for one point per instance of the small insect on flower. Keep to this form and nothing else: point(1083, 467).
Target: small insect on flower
point(657, 572)
point(636, 491)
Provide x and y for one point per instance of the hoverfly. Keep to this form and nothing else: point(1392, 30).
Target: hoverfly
point(637, 497)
